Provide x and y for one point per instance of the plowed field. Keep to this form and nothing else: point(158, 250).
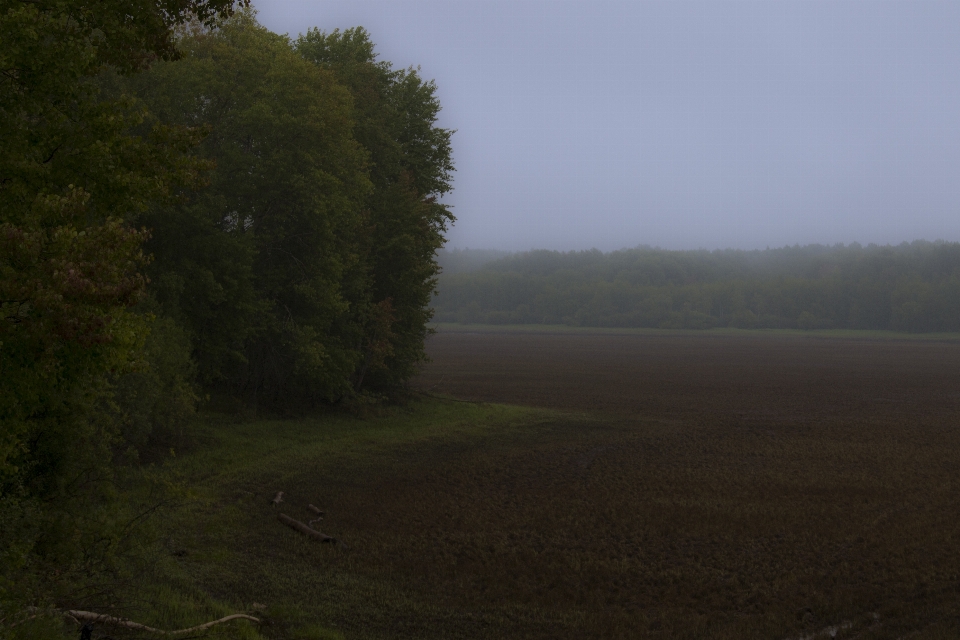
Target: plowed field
point(698, 485)
point(759, 379)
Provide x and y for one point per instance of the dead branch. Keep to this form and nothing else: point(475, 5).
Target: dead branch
point(100, 618)
point(307, 531)
point(277, 499)
point(319, 517)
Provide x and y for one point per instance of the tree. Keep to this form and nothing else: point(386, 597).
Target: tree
point(410, 168)
point(303, 272)
point(72, 175)
point(257, 264)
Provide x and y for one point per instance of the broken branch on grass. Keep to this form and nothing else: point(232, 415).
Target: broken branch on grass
point(101, 618)
point(277, 499)
point(307, 531)
point(317, 511)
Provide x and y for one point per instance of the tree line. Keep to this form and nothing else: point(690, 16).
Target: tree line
point(912, 287)
point(191, 206)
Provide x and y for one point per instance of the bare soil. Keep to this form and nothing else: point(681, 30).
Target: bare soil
point(700, 486)
point(743, 379)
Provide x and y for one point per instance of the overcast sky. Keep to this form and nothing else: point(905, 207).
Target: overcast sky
point(713, 124)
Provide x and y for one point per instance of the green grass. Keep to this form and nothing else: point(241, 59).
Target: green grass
point(855, 334)
point(223, 551)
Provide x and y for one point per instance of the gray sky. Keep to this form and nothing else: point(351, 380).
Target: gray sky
point(681, 124)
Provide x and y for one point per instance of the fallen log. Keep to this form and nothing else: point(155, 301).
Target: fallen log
point(100, 618)
point(307, 531)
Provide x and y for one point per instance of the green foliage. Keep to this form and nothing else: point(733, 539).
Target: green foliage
point(253, 264)
point(187, 203)
point(303, 271)
point(158, 399)
point(911, 287)
point(72, 175)
point(410, 167)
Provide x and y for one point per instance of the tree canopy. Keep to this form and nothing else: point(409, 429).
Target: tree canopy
point(74, 171)
point(410, 168)
point(304, 269)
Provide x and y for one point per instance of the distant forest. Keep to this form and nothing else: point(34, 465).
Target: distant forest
point(913, 287)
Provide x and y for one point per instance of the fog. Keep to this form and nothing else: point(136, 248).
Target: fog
point(682, 124)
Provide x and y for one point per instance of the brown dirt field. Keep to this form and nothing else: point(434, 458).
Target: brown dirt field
point(761, 379)
point(717, 486)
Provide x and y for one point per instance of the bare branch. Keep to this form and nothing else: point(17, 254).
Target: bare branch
point(100, 618)
point(307, 531)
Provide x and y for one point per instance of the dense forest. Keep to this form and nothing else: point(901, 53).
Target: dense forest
point(191, 207)
point(910, 287)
